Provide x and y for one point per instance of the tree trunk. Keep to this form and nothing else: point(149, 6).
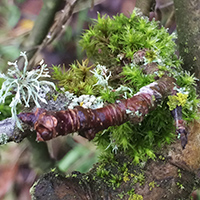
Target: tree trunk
point(187, 18)
point(170, 176)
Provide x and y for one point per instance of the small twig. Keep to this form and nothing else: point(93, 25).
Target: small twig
point(50, 26)
point(42, 25)
point(181, 128)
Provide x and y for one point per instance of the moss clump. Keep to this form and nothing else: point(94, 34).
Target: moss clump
point(78, 79)
point(111, 39)
point(128, 44)
point(136, 197)
point(177, 100)
point(121, 174)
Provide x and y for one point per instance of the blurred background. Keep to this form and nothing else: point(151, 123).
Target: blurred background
point(19, 163)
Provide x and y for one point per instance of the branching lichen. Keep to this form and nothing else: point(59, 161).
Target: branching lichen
point(25, 85)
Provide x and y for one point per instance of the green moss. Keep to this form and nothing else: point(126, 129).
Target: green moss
point(108, 38)
point(112, 43)
point(179, 99)
point(152, 185)
point(138, 178)
point(161, 157)
point(101, 172)
point(77, 79)
point(195, 58)
point(104, 42)
point(121, 195)
point(136, 197)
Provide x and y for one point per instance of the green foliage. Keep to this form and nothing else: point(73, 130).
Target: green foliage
point(135, 197)
point(134, 77)
point(187, 82)
point(108, 38)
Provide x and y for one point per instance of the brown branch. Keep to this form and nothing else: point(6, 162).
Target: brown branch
point(59, 25)
point(88, 122)
point(10, 132)
point(181, 128)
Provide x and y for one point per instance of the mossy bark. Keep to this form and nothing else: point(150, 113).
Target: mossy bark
point(187, 18)
point(170, 176)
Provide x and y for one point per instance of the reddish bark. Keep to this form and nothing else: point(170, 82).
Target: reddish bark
point(88, 122)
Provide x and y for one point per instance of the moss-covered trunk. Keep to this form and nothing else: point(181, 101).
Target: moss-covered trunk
point(170, 176)
point(188, 27)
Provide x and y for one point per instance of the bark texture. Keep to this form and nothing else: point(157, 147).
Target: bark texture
point(145, 6)
point(170, 176)
point(88, 122)
point(187, 18)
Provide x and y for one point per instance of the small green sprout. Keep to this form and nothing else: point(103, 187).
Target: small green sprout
point(180, 185)
point(102, 172)
point(24, 84)
point(116, 180)
point(179, 173)
point(151, 185)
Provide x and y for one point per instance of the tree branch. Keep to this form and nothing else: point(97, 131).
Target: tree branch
point(42, 25)
point(10, 132)
point(88, 122)
point(50, 24)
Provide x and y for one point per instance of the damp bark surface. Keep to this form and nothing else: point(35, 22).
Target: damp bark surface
point(187, 18)
point(170, 176)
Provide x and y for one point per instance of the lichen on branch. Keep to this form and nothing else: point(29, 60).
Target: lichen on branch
point(25, 85)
